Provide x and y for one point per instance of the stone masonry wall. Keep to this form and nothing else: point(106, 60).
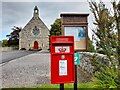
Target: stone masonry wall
point(86, 60)
point(85, 69)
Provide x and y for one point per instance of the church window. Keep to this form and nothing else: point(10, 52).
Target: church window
point(36, 31)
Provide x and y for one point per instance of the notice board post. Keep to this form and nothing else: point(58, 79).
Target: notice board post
point(62, 60)
point(75, 24)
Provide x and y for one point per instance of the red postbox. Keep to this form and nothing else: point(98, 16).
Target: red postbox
point(62, 59)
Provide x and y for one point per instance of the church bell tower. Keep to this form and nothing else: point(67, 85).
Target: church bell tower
point(36, 12)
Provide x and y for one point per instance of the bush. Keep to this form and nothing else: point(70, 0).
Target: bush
point(105, 73)
point(106, 78)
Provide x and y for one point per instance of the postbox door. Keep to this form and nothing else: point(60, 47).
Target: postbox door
point(62, 67)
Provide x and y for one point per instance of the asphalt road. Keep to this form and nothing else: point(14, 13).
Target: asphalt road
point(28, 71)
point(10, 55)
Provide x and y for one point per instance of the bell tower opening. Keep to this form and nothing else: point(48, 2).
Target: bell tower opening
point(36, 11)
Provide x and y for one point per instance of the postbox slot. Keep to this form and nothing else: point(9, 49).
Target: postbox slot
point(62, 42)
point(62, 53)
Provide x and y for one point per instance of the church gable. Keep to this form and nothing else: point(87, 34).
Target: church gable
point(36, 22)
point(35, 31)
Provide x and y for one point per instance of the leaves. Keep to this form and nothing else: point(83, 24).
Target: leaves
point(106, 78)
point(107, 33)
point(90, 46)
point(56, 28)
point(14, 36)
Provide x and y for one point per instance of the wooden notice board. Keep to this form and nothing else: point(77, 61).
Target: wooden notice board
point(76, 25)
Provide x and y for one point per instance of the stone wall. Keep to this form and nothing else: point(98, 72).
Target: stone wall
point(6, 48)
point(85, 69)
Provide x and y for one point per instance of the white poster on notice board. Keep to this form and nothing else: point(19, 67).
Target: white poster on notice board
point(77, 31)
point(62, 67)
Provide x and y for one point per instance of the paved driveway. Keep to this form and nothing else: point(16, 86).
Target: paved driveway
point(28, 71)
point(10, 55)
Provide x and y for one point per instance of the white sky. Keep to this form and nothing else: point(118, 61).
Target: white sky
point(15, 13)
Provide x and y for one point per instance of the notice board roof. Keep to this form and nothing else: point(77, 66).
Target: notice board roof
point(74, 14)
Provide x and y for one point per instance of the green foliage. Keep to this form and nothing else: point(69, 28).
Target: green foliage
point(106, 78)
point(106, 75)
point(116, 8)
point(90, 46)
point(14, 36)
point(4, 42)
point(106, 37)
point(56, 28)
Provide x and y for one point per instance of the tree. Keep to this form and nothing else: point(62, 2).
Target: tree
point(14, 36)
point(116, 8)
point(105, 35)
point(4, 42)
point(106, 40)
point(56, 28)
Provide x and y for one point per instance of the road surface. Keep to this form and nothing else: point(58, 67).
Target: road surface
point(28, 71)
point(11, 55)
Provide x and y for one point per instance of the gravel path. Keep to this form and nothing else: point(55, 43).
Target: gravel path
point(28, 71)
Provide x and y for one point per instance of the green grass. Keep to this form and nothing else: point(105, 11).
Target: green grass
point(83, 86)
point(80, 85)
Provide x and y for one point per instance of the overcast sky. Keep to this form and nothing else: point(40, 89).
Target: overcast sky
point(19, 13)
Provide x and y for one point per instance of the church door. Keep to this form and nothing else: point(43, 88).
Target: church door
point(35, 45)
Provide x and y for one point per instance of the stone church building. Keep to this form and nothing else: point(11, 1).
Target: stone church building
point(34, 35)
